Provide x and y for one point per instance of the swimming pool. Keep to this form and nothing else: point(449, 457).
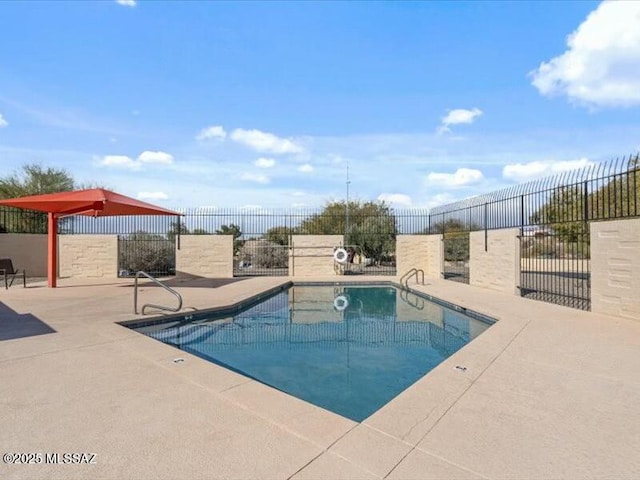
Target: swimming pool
point(349, 349)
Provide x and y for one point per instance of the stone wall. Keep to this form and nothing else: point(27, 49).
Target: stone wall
point(27, 252)
point(615, 268)
point(205, 256)
point(497, 268)
point(419, 251)
point(88, 256)
point(312, 255)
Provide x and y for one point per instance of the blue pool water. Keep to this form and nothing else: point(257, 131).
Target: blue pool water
point(347, 349)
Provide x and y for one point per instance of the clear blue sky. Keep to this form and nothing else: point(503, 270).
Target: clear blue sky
point(232, 104)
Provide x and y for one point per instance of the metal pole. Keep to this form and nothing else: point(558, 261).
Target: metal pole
point(346, 222)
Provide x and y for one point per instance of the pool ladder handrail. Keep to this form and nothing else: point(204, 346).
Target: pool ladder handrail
point(157, 282)
point(418, 272)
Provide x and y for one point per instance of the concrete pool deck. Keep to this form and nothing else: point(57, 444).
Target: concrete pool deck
point(548, 392)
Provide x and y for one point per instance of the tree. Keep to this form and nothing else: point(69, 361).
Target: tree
point(32, 179)
point(232, 229)
point(565, 216)
point(618, 198)
point(148, 252)
point(262, 253)
point(564, 213)
point(375, 236)
point(175, 228)
point(456, 238)
point(371, 226)
point(453, 225)
point(279, 235)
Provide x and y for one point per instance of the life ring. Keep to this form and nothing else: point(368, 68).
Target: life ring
point(340, 255)
point(340, 303)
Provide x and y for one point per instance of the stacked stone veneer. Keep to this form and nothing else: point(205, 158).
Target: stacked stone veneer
point(205, 256)
point(88, 256)
point(615, 268)
point(312, 255)
point(28, 252)
point(497, 268)
point(419, 251)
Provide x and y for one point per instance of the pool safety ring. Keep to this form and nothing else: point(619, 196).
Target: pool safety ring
point(340, 255)
point(340, 303)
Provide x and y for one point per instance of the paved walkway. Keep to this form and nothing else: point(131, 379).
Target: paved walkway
point(548, 392)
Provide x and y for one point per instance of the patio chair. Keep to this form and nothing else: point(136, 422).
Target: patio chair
point(7, 270)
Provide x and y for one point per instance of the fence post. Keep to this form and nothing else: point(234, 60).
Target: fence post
point(178, 236)
point(586, 200)
point(486, 233)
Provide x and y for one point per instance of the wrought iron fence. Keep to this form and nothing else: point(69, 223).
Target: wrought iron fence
point(151, 253)
point(16, 220)
point(553, 215)
point(262, 238)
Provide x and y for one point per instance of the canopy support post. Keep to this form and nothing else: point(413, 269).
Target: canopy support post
point(52, 254)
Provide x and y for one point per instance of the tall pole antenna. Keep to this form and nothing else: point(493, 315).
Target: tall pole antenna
point(346, 222)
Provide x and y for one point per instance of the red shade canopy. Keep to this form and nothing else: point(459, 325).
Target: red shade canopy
point(95, 202)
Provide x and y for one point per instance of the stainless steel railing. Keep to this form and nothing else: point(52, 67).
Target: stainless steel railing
point(419, 274)
point(151, 305)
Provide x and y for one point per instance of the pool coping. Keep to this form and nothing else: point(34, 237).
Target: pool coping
point(243, 304)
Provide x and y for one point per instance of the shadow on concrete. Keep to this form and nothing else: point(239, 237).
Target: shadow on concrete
point(20, 325)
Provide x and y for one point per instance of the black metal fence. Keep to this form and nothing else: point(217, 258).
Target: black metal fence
point(553, 215)
point(262, 238)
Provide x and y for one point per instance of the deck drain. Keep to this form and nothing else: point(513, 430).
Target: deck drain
point(178, 360)
point(458, 367)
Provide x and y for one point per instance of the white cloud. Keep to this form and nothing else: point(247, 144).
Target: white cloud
point(255, 177)
point(522, 172)
point(264, 142)
point(298, 194)
point(146, 157)
point(127, 3)
point(120, 161)
point(153, 196)
point(149, 156)
point(3, 122)
point(461, 178)
point(601, 66)
point(440, 199)
point(306, 168)
point(395, 199)
point(458, 116)
point(212, 132)
point(264, 162)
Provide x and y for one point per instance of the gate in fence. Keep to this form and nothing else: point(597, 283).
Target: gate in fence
point(456, 256)
point(556, 269)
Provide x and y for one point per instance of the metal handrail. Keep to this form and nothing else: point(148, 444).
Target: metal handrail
point(159, 307)
point(404, 280)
